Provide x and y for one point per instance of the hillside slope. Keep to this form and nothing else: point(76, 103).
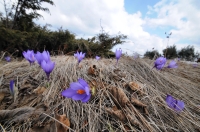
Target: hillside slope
point(128, 97)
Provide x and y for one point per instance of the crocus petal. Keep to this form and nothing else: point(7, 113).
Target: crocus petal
point(179, 106)
point(29, 55)
point(47, 66)
point(25, 55)
point(118, 53)
point(73, 92)
point(78, 96)
point(172, 64)
point(83, 82)
point(46, 56)
point(83, 55)
point(68, 93)
point(159, 67)
point(87, 90)
point(12, 87)
point(76, 86)
point(79, 56)
point(97, 57)
point(170, 101)
point(86, 99)
point(38, 57)
point(7, 59)
point(160, 63)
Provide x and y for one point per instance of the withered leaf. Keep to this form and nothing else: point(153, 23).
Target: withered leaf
point(2, 95)
point(64, 120)
point(119, 114)
point(136, 86)
point(119, 73)
point(118, 96)
point(91, 70)
point(39, 90)
point(137, 102)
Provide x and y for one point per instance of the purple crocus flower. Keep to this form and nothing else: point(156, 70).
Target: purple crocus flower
point(136, 55)
point(97, 57)
point(38, 57)
point(29, 55)
point(195, 65)
point(12, 87)
point(179, 59)
point(78, 91)
point(7, 58)
point(118, 54)
point(47, 67)
point(42, 56)
point(46, 56)
point(172, 64)
point(159, 63)
point(176, 105)
point(79, 56)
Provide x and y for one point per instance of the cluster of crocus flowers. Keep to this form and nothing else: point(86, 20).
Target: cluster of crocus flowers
point(45, 62)
point(175, 104)
point(78, 91)
point(172, 64)
point(118, 54)
point(7, 58)
point(97, 58)
point(160, 63)
point(30, 56)
point(79, 56)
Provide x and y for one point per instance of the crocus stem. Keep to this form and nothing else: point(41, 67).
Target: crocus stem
point(117, 63)
point(48, 76)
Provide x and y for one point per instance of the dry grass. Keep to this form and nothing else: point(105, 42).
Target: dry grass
point(36, 112)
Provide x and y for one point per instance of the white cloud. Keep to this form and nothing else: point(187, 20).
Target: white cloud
point(83, 19)
point(182, 15)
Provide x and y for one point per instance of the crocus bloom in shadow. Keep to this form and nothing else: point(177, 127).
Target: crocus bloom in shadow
point(12, 87)
point(159, 63)
point(97, 57)
point(176, 105)
point(118, 54)
point(79, 56)
point(78, 91)
point(172, 64)
point(47, 67)
point(7, 58)
point(30, 56)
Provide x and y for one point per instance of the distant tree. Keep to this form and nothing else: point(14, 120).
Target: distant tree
point(105, 42)
point(21, 15)
point(187, 53)
point(151, 54)
point(170, 52)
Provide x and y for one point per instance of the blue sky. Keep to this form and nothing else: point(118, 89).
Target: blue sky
point(132, 6)
point(143, 21)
